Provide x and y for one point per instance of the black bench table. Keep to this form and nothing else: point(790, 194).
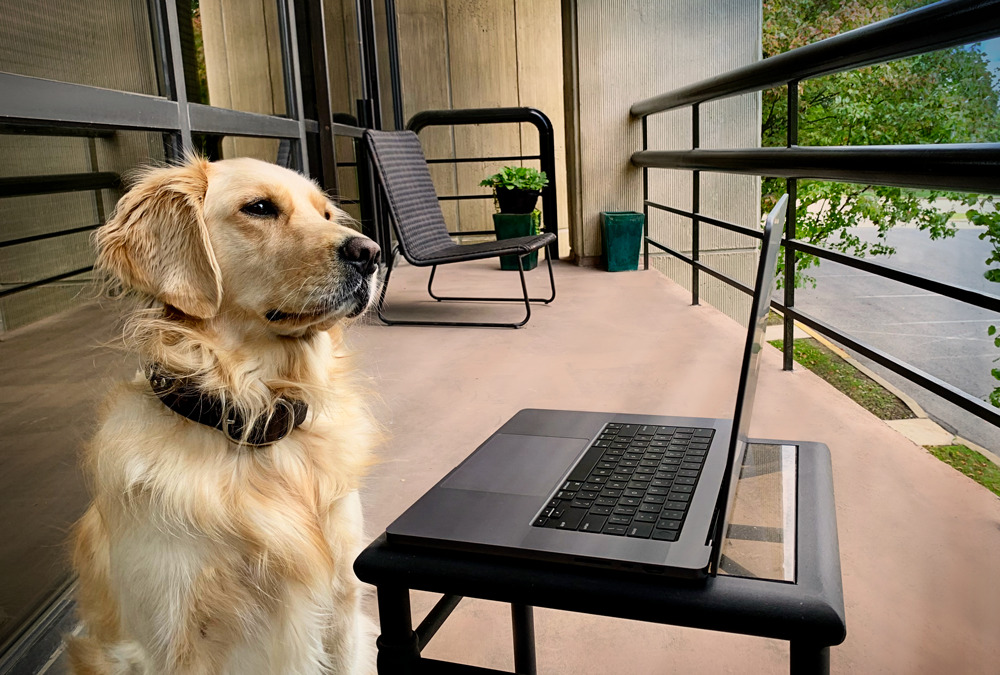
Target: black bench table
point(780, 576)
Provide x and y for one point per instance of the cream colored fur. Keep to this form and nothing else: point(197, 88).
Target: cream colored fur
point(199, 555)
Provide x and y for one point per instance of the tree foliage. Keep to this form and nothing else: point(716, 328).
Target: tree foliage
point(942, 97)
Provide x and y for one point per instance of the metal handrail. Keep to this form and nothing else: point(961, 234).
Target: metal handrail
point(963, 167)
point(944, 24)
point(972, 167)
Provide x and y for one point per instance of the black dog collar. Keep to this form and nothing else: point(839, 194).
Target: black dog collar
point(183, 397)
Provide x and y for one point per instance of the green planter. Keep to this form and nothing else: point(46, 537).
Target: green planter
point(509, 226)
point(622, 232)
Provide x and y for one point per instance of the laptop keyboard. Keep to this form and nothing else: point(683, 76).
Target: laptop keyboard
point(634, 480)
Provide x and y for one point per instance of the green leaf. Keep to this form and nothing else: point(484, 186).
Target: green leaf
point(517, 177)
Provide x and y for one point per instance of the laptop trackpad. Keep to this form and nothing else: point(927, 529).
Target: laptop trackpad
point(517, 465)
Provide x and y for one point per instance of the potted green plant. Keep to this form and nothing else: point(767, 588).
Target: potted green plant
point(516, 188)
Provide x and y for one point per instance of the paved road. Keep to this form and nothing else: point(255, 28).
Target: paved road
point(943, 337)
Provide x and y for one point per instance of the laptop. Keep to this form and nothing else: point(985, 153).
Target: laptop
point(640, 492)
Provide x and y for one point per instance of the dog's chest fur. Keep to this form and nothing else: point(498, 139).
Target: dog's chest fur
point(249, 548)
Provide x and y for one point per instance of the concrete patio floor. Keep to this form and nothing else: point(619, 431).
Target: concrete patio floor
point(920, 543)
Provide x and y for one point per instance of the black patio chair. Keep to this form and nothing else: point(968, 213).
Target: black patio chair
point(422, 235)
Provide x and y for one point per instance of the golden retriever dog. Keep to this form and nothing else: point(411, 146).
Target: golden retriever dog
point(225, 517)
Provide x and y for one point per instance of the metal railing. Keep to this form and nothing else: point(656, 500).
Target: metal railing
point(965, 167)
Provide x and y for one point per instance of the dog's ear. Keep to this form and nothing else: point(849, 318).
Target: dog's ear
point(157, 241)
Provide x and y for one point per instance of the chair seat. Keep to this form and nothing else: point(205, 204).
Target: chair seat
point(486, 249)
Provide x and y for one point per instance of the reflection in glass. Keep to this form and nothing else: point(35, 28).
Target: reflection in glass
point(239, 65)
point(54, 364)
point(101, 43)
point(761, 539)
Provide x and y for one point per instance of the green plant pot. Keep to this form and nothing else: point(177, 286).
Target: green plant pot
point(510, 226)
point(622, 232)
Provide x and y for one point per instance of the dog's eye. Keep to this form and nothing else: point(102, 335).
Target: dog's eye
point(327, 215)
point(262, 208)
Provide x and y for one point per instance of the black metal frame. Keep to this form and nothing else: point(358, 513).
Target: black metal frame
point(391, 258)
point(546, 155)
point(808, 613)
point(966, 167)
point(382, 234)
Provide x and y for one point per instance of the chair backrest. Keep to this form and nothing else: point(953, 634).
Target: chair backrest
point(402, 171)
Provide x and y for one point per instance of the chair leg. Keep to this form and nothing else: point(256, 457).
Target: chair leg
point(552, 284)
point(458, 324)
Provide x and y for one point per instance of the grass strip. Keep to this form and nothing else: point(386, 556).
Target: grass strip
point(865, 391)
point(971, 463)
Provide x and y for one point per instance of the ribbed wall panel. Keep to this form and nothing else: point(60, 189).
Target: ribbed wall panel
point(632, 49)
point(101, 43)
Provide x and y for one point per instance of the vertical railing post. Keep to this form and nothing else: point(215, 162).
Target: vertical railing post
point(173, 35)
point(645, 201)
point(392, 33)
point(288, 32)
point(788, 344)
point(695, 206)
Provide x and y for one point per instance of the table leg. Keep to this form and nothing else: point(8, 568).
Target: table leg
point(398, 646)
point(523, 620)
point(809, 659)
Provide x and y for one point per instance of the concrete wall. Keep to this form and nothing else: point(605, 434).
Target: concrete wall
point(621, 51)
point(243, 64)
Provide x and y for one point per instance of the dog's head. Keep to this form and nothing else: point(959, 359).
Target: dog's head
point(240, 236)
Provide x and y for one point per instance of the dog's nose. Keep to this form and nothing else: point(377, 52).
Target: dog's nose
point(362, 253)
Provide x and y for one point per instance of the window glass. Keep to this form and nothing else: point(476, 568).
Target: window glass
point(238, 53)
point(101, 43)
point(55, 360)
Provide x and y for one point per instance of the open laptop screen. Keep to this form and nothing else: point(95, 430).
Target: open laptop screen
point(759, 310)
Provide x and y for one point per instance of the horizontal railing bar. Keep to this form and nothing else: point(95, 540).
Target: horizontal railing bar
point(927, 381)
point(965, 167)
point(443, 118)
point(347, 130)
point(32, 100)
point(961, 293)
point(76, 105)
point(312, 126)
point(48, 235)
point(732, 227)
point(457, 197)
point(341, 164)
point(461, 160)
point(667, 249)
point(714, 272)
point(206, 119)
point(21, 186)
point(472, 233)
point(41, 282)
point(944, 24)
point(35, 129)
point(739, 285)
point(703, 267)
